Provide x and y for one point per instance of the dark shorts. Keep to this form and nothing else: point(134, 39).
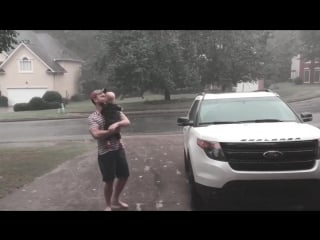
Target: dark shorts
point(113, 164)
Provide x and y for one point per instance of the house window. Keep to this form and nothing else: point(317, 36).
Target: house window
point(25, 65)
point(307, 75)
point(317, 75)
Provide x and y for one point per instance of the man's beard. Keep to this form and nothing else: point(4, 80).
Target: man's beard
point(101, 104)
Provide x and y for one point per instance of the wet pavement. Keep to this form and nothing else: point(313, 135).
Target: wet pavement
point(157, 181)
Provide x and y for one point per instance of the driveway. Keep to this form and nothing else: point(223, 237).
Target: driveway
point(157, 180)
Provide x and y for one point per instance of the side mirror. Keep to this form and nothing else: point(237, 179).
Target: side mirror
point(184, 121)
point(306, 116)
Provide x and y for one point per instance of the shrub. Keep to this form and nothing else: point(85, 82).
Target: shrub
point(21, 107)
point(51, 105)
point(78, 97)
point(3, 101)
point(52, 96)
point(268, 83)
point(297, 80)
point(65, 101)
point(36, 103)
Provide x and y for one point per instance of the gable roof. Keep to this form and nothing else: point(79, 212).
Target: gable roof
point(46, 48)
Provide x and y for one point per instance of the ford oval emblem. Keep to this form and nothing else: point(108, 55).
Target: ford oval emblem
point(273, 155)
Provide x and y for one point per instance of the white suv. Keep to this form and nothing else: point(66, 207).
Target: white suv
point(241, 145)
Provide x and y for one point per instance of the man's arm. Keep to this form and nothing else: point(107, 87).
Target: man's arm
point(124, 122)
point(96, 133)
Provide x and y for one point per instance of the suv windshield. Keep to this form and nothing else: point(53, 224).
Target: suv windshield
point(238, 110)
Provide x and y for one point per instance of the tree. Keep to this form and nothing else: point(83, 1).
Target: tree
point(7, 39)
point(281, 47)
point(167, 63)
point(161, 61)
point(310, 47)
point(144, 60)
point(131, 59)
point(231, 55)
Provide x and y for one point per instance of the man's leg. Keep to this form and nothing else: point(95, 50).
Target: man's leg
point(122, 173)
point(107, 168)
point(119, 186)
point(108, 189)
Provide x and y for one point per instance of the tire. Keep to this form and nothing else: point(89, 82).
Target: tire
point(186, 165)
point(196, 201)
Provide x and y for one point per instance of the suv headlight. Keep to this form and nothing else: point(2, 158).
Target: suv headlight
point(212, 149)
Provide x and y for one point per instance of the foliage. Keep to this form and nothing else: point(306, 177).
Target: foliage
point(310, 46)
point(36, 103)
point(7, 39)
point(21, 107)
point(3, 101)
point(78, 97)
point(52, 96)
point(162, 61)
point(298, 80)
point(282, 46)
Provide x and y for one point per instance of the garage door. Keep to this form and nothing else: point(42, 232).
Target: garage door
point(23, 95)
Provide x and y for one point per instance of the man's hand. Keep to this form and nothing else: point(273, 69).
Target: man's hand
point(114, 127)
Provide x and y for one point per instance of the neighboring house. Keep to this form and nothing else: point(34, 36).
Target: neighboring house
point(38, 64)
point(250, 86)
point(308, 71)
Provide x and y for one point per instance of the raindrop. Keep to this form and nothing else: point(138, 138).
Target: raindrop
point(146, 168)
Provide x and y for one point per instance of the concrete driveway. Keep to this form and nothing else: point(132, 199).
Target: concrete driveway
point(157, 180)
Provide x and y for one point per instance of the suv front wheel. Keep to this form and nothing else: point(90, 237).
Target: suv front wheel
point(196, 200)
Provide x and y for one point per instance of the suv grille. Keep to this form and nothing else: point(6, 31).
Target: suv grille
point(294, 155)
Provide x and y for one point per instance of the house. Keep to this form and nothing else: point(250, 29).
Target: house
point(3, 56)
point(307, 70)
point(250, 86)
point(39, 63)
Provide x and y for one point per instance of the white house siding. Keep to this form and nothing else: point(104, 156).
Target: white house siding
point(13, 79)
point(247, 86)
point(67, 84)
point(295, 66)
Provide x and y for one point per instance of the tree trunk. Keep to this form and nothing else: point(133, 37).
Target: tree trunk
point(167, 95)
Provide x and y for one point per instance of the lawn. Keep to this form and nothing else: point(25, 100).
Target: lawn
point(75, 109)
point(287, 90)
point(21, 165)
point(292, 92)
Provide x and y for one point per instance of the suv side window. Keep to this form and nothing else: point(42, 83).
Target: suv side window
point(193, 111)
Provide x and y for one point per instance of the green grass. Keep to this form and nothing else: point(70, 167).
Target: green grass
point(287, 90)
point(21, 165)
point(291, 92)
point(150, 102)
point(75, 109)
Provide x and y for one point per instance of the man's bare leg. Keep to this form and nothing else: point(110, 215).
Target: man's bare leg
point(119, 185)
point(108, 190)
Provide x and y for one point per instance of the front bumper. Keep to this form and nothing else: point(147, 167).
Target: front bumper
point(216, 174)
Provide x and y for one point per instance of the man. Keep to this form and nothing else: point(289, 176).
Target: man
point(111, 157)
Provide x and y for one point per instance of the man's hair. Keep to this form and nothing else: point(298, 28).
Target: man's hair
point(95, 93)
